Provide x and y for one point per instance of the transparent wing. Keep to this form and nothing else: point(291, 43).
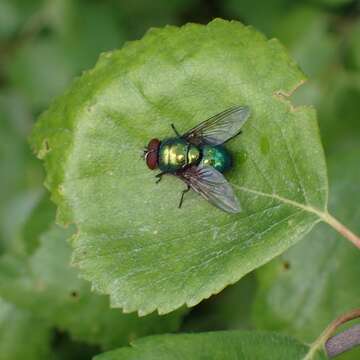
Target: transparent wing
point(213, 186)
point(219, 128)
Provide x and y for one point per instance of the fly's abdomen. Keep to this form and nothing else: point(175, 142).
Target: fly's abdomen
point(217, 157)
point(193, 155)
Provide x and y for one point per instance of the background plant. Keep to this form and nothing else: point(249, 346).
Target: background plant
point(43, 46)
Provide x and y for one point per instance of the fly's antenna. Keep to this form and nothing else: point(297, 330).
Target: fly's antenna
point(144, 152)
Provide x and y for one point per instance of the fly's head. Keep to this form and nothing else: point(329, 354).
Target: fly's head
point(150, 154)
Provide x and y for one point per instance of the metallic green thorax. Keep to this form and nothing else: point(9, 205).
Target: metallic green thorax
point(175, 153)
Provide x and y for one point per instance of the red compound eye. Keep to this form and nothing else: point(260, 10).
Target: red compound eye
point(152, 154)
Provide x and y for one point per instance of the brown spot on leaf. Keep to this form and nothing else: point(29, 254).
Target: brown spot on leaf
point(286, 265)
point(74, 294)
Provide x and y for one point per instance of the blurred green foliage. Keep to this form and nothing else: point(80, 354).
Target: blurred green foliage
point(44, 44)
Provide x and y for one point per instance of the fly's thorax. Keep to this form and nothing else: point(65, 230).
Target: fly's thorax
point(175, 153)
point(217, 157)
point(172, 154)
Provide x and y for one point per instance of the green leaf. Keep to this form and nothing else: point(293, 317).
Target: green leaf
point(22, 335)
point(318, 279)
point(217, 345)
point(21, 175)
point(132, 241)
point(353, 354)
point(45, 285)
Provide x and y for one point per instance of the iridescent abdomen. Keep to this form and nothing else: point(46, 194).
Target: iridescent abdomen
point(216, 156)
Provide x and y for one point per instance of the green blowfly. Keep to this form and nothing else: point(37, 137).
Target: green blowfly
point(198, 158)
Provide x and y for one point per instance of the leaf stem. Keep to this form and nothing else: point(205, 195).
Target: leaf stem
point(327, 333)
point(323, 215)
point(341, 229)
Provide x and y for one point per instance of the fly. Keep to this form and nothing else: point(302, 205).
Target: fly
point(199, 158)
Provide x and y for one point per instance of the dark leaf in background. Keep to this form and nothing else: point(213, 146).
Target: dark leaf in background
point(217, 345)
point(37, 223)
point(231, 309)
point(76, 33)
point(353, 48)
point(23, 335)
point(263, 15)
point(15, 13)
point(137, 16)
point(21, 174)
point(46, 285)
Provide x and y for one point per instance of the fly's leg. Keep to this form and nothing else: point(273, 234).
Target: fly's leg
point(175, 131)
point(182, 195)
point(159, 177)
